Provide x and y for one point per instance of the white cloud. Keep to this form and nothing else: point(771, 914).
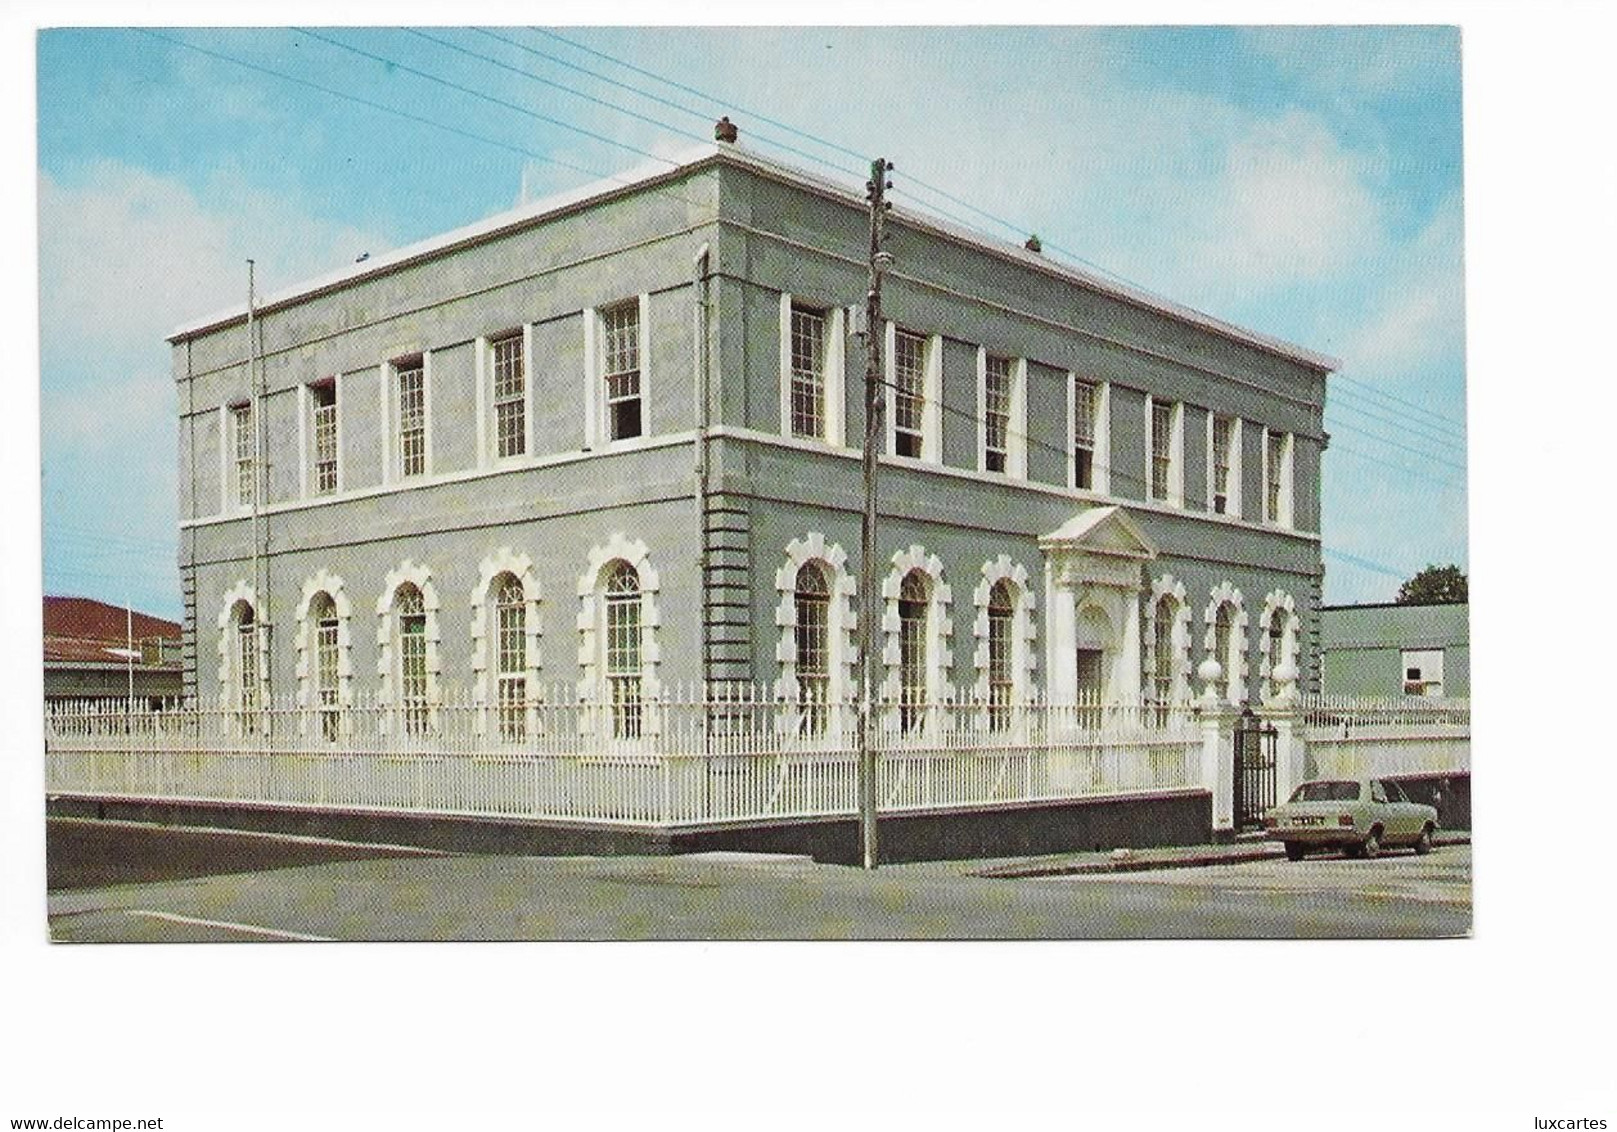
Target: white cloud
point(1288, 205)
point(1418, 317)
point(126, 255)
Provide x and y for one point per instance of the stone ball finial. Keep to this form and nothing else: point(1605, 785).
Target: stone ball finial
point(1209, 671)
point(1285, 672)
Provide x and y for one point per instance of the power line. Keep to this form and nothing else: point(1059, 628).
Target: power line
point(1402, 447)
point(376, 105)
point(1408, 426)
point(1442, 422)
point(1399, 468)
point(394, 63)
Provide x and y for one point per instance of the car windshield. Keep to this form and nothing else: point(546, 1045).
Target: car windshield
point(1327, 792)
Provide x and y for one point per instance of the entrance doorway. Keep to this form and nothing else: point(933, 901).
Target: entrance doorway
point(1089, 682)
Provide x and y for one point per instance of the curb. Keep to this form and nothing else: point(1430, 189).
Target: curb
point(1130, 864)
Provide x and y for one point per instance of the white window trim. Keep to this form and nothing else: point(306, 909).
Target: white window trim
point(1286, 516)
point(1232, 502)
point(1166, 586)
point(392, 416)
point(596, 433)
point(230, 502)
point(1100, 462)
point(940, 629)
point(229, 694)
point(485, 638)
point(307, 486)
point(1277, 603)
point(386, 662)
point(931, 393)
point(224, 461)
point(1176, 451)
point(836, 405)
point(323, 581)
point(591, 686)
point(841, 629)
point(1235, 675)
point(1024, 630)
point(488, 428)
point(1016, 416)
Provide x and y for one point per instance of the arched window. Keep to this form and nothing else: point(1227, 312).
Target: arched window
point(812, 599)
point(323, 615)
point(1162, 676)
point(914, 598)
point(511, 656)
point(1223, 639)
point(623, 649)
point(410, 609)
point(1001, 653)
point(244, 654)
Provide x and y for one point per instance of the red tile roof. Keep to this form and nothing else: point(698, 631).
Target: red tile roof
point(83, 629)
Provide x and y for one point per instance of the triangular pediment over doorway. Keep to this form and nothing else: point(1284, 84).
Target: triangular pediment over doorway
point(1101, 530)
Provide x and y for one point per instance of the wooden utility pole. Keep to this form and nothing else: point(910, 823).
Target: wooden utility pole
point(875, 404)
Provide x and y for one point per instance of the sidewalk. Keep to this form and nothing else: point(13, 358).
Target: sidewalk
point(1171, 857)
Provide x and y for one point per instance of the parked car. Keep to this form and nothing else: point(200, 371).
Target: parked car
point(1360, 816)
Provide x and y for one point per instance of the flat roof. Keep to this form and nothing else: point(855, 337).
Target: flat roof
point(648, 175)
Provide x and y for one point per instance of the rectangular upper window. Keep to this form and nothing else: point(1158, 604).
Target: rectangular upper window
point(620, 370)
point(909, 393)
point(1223, 482)
point(510, 396)
point(996, 412)
point(1166, 472)
point(1085, 414)
point(242, 445)
point(1277, 449)
point(323, 457)
point(411, 376)
point(808, 372)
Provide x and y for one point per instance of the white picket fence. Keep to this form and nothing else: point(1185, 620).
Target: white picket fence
point(1351, 737)
point(692, 757)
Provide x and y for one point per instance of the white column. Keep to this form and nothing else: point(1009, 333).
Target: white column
point(1061, 602)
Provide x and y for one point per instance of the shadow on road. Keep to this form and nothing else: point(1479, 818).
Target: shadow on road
point(80, 853)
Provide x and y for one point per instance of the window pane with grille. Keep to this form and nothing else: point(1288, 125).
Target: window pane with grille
point(996, 411)
point(325, 667)
point(412, 419)
point(1223, 434)
point(510, 396)
point(913, 596)
point(247, 659)
point(808, 373)
point(1083, 434)
point(813, 600)
point(511, 659)
point(1277, 449)
point(412, 616)
point(621, 330)
point(1001, 610)
point(1164, 659)
point(325, 438)
point(241, 417)
point(623, 642)
point(909, 394)
point(1161, 448)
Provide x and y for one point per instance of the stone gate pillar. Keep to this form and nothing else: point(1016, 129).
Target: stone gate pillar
point(1218, 748)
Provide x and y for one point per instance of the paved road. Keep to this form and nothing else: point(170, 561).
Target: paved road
point(729, 896)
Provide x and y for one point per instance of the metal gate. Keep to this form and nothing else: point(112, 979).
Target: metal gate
point(1255, 744)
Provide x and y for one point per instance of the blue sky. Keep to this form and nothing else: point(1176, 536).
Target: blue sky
point(1303, 182)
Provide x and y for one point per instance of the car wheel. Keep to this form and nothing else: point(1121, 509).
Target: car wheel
point(1295, 850)
point(1424, 845)
point(1370, 848)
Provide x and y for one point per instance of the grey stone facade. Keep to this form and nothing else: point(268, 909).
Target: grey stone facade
point(716, 493)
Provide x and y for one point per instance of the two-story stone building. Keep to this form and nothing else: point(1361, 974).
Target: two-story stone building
point(610, 441)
